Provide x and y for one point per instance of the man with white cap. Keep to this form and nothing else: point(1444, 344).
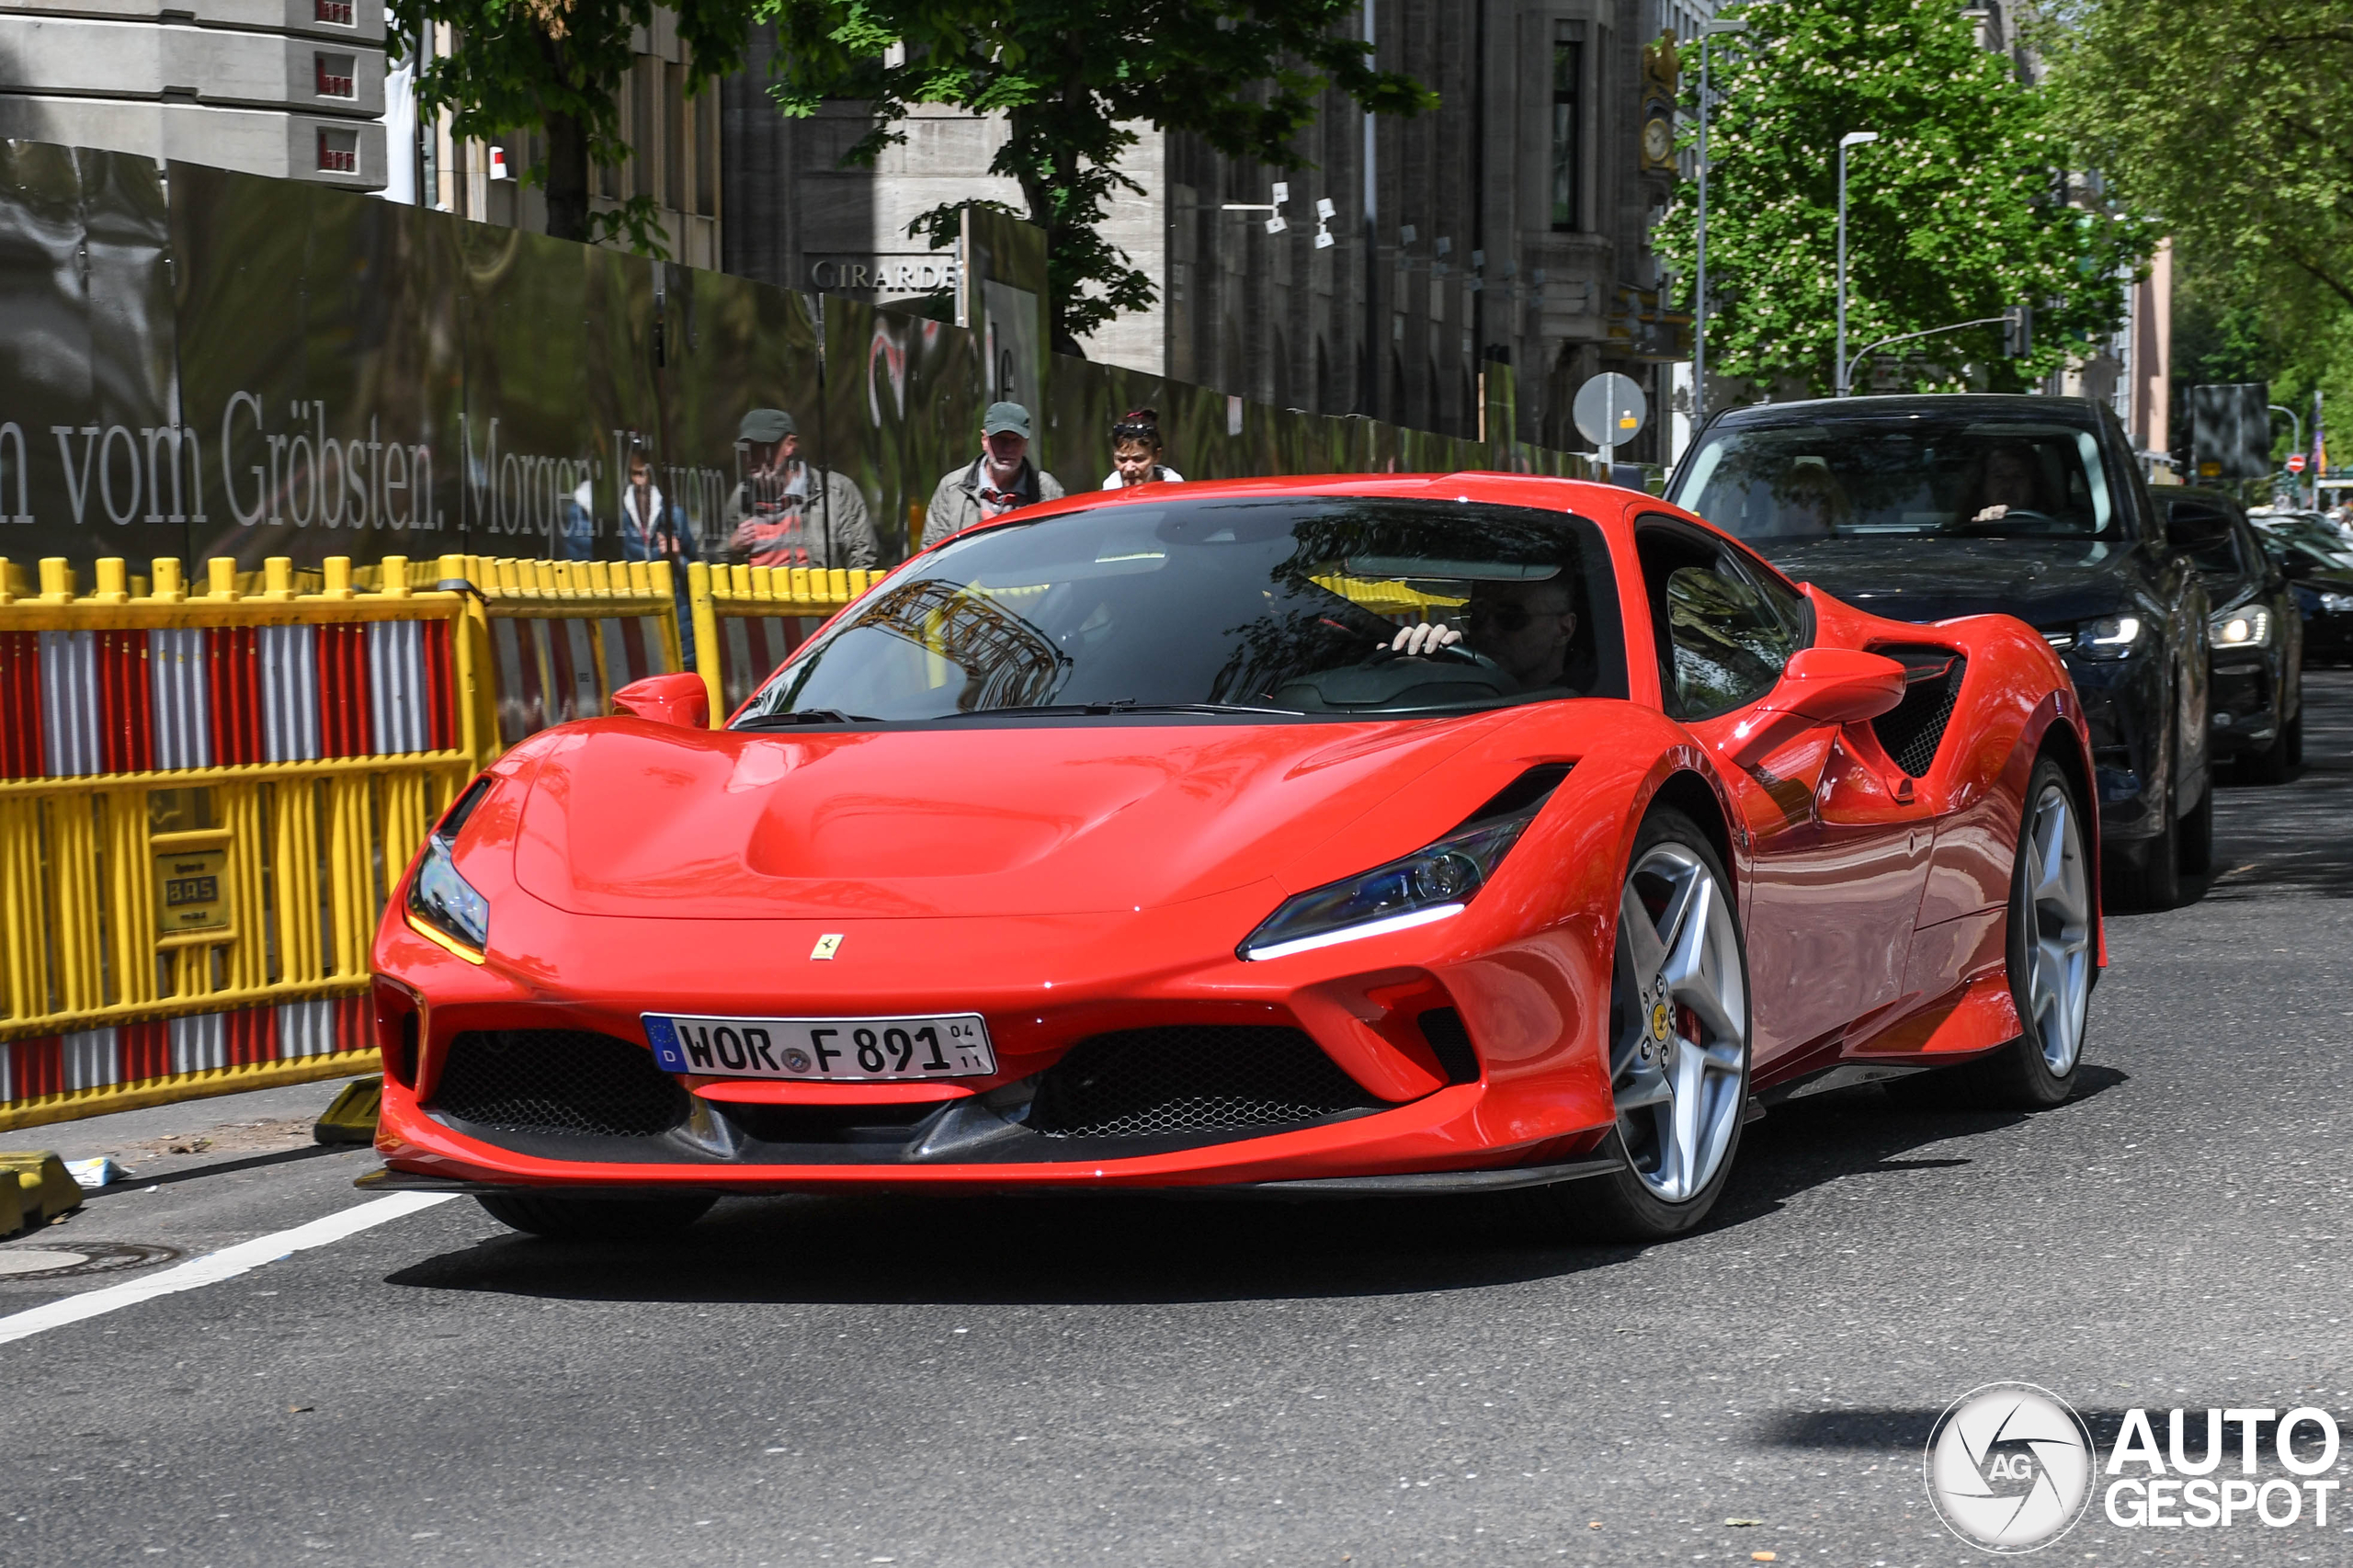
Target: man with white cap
point(789, 513)
point(999, 480)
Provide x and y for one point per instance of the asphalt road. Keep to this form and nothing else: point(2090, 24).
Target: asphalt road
point(1136, 1382)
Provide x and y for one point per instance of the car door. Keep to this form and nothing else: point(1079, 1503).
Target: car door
point(1837, 858)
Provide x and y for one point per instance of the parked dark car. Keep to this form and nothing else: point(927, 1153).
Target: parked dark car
point(2255, 636)
point(2321, 572)
point(1924, 508)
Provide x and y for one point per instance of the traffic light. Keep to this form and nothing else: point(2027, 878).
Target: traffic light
point(2018, 332)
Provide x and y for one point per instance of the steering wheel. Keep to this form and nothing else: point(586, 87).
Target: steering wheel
point(1459, 653)
point(2010, 516)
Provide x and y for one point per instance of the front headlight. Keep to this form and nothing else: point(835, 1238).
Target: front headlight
point(2337, 604)
point(1430, 884)
point(441, 902)
point(2110, 637)
point(2246, 627)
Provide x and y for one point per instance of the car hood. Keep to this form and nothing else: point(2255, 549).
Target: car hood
point(630, 818)
point(2045, 582)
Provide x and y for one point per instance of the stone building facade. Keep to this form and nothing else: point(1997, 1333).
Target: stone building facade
point(287, 87)
point(1510, 225)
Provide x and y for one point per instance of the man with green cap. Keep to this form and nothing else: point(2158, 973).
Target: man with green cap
point(1000, 479)
point(789, 513)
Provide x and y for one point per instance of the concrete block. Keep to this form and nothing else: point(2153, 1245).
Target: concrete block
point(44, 1185)
point(352, 1117)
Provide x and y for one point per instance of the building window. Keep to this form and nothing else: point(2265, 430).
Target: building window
point(1568, 123)
point(335, 74)
point(335, 11)
point(338, 152)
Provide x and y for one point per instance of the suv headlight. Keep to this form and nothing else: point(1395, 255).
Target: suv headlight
point(441, 903)
point(2246, 627)
point(2337, 604)
point(1430, 884)
point(2110, 637)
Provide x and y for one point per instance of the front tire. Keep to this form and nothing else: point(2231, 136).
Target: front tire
point(1678, 1041)
point(564, 1218)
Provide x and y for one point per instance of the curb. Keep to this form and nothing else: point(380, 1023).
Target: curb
point(352, 1117)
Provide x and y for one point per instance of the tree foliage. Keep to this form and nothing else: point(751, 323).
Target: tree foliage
point(2230, 118)
point(2227, 117)
point(556, 67)
point(1073, 79)
point(1959, 210)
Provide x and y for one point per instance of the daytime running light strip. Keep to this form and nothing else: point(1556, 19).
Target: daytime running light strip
point(1352, 933)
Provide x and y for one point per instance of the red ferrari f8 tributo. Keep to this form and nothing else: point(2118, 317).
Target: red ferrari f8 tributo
point(1358, 834)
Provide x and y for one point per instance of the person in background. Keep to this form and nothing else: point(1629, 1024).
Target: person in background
point(653, 528)
point(786, 512)
point(1135, 451)
point(1000, 479)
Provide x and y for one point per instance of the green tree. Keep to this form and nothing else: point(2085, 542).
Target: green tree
point(1073, 78)
point(1959, 210)
point(2230, 118)
point(556, 67)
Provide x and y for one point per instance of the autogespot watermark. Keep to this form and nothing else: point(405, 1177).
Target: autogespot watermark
point(2011, 1468)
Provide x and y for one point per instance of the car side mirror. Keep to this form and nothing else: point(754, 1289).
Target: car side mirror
point(2295, 570)
point(680, 699)
point(1837, 686)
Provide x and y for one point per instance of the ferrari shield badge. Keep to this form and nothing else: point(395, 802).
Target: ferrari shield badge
point(827, 946)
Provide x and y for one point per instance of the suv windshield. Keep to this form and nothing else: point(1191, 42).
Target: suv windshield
point(1288, 604)
point(1899, 473)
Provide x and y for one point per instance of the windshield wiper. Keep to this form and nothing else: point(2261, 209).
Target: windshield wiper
point(1122, 705)
point(791, 717)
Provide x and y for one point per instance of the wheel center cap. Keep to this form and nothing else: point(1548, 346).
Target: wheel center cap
point(1660, 1017)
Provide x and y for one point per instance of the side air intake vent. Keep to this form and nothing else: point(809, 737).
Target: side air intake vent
point(561, 1081)
point(1913, 728)
point(1192, 1079)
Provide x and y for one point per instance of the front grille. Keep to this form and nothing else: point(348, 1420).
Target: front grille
point(561, 1081)
point(1911, 730)
point(1191, 1078)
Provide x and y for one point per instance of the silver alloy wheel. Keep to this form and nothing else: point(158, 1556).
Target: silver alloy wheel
point(1679, 1052)
point(2055, 908)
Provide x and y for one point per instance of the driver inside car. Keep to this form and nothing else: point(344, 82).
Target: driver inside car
point(1527, 628)
point(2012, 482)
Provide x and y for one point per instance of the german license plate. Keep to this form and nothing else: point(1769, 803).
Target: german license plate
point(835, 1050)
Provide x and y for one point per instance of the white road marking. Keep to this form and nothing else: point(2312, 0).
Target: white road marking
point(215, 1266)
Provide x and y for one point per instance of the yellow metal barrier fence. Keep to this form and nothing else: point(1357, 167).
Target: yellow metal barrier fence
point(208, 789)
point(206, 792)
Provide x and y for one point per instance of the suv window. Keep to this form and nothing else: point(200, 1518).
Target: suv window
point(2204, 533)
point(1725, 627)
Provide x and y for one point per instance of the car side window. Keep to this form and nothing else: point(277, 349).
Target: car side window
point(1724, 630)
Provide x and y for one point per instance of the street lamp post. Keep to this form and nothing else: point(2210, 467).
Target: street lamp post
point(1852, 139)
point(1700, 290)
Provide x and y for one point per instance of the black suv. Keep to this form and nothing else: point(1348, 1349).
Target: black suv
point(1923, 508)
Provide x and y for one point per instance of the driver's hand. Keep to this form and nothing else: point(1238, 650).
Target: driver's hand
point(1991, 515)
point(1427, 638)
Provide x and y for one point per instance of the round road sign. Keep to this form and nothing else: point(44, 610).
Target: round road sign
point(1611, 409)
point(2295, 462)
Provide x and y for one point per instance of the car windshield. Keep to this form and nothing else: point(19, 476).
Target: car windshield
point(1891, 473)
point(2317, 543)
point(1287, 606)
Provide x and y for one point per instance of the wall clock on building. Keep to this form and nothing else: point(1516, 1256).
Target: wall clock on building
point(1658, 141)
